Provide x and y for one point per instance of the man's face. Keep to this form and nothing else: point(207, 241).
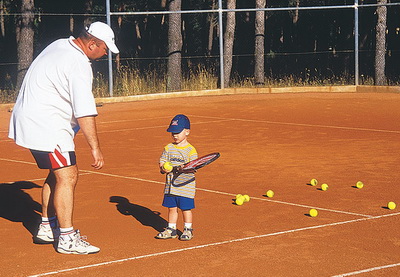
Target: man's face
point(97, 50)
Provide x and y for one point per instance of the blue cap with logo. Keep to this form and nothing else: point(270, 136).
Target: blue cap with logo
point(178, 123)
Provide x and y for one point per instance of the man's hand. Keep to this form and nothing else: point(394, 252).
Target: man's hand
point(88, 127)
point(98, 158)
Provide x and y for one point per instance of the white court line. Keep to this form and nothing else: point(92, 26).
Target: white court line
point(366, 217)
point(212, 244)
point(367, 270)
point(302, 124)
point(158, 126)
point(207, 190)
point(230, 194)
point(17, 161)
point(120, 176)
point(38, 179)
point(291, 204)
point(132, 120)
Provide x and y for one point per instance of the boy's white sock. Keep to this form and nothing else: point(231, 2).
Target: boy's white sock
point(188, 225)
point(172, 225)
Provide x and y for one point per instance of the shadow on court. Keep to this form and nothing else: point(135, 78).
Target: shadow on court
point(18, 206)
point(142, 214)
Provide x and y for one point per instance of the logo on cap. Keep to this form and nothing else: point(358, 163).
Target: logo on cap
point(178, 123)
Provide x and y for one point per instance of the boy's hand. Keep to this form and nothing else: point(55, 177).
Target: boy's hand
point(166, 167)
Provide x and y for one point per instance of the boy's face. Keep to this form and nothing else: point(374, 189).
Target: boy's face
point(180, 137)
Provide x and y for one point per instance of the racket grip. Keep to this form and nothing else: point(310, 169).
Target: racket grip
point(177, 169)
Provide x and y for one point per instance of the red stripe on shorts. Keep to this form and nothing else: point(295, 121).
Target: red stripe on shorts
point(61, 161)
point(54, 163)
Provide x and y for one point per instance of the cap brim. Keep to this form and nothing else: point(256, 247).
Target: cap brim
point(175, 129)
point(113, 48)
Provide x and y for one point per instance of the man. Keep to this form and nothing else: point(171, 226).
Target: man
point(54, 102)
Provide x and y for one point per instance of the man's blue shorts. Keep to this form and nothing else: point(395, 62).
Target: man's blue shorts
point(183, 203)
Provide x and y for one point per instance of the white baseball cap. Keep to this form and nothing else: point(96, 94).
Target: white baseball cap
point(103, 32)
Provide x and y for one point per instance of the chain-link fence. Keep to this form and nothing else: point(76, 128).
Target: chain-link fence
point(303, 45)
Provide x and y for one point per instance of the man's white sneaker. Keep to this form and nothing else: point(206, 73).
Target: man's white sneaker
point(73, 243)
point(46, 234)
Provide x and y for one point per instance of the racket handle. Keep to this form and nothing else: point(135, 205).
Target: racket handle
point(177, 169)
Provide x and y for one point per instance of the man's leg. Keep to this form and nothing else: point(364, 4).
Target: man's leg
point(48, 229)
point(66, 179)
point(48, 196)
point(70, 241)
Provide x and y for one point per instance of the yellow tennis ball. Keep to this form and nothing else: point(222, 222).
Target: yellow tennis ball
point(168, 166)
point(314, 182)
point(359, 185)
point(313, 212)
point(324, 187)
point(239, 201)
point(246, 198)
point(270, 193)
point(391, 205)
point(238, 196)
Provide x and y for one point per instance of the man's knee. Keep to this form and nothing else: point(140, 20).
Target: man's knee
point(67, 175)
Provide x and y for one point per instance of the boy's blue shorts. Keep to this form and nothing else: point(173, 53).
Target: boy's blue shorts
point(183, 203)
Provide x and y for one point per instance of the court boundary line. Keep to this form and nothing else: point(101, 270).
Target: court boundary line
point(212, 244)
point(231, 194)
point(301, 124)
point(367, 270)
point(206, 190)
point(265, 235)
point(159, 126)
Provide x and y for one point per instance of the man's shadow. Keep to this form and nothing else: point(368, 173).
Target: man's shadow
point(18, 206)
point(142, 214)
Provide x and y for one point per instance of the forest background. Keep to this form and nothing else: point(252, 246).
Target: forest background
point(174, 52)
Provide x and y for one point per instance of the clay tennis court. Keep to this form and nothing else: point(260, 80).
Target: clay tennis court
point(267, 141)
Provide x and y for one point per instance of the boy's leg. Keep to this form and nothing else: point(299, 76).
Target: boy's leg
point(170, 231)
point(187, 216)
point(172, 215)
point(187, 230)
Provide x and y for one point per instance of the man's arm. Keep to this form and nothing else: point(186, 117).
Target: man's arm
point(88, 127)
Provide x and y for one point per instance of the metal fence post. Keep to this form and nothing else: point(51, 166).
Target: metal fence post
point(356, 37)
point(110, 71)
point(221, 44)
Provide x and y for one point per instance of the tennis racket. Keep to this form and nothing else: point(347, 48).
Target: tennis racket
point(198, 163)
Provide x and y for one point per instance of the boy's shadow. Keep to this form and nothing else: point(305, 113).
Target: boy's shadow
point(142, 214)
point(18, 206)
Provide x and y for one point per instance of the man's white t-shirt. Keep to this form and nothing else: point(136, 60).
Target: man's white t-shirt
point(56, 90)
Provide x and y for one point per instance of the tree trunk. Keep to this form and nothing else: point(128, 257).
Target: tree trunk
point(228, 41)
point(174, 47)
point(296, 13)
point(2, 25)
point(259, 43)
point(24, 36)
point(88, 9)
point(211, 18)
point(380, 78)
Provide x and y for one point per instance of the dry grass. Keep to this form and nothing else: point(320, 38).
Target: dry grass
point(129, 81)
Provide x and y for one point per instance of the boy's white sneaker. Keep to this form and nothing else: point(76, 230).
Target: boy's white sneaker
point(75, 244)
point(46, 234)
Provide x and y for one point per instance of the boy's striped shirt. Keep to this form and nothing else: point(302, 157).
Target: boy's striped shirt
point(181, 184)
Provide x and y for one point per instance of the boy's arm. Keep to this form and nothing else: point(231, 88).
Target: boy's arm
point(163, 161)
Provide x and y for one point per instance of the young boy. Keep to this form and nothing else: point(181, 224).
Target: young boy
point(180, 187)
